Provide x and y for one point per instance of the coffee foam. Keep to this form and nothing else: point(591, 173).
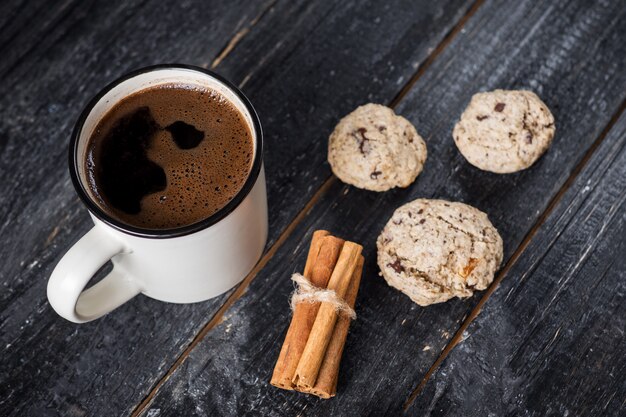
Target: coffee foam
point(201, 180)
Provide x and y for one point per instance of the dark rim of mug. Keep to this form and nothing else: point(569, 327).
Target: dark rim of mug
point(178, 231)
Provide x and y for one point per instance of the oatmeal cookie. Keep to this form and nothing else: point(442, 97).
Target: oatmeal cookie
point(374, 149)
point(433, 250)
point(504, 131)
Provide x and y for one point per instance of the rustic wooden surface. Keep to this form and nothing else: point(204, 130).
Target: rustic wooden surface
point(551, 339)
point(43, 354)
point(394, 342)
point(556, 319)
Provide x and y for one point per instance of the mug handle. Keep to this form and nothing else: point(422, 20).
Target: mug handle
point(77, 267)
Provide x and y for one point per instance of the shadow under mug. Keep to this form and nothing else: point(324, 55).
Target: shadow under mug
point(182, 265)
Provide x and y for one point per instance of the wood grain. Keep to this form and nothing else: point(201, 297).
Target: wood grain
point(325, 59)
point(56, 58)
point(551, 339)
point(571, 54)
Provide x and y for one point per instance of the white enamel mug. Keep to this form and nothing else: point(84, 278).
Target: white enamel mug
point(182, 265)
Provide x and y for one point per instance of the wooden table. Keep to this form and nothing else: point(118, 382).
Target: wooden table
point(547, 338)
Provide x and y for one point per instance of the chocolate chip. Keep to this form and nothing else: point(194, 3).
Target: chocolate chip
point(499, 107)
point(420, 211)
point(481, 118)
point(382, 128)
point(396, 266)
point(422, 221)
point(529, 138)
point(410, 215)
point(374, 175)
point(362, 139)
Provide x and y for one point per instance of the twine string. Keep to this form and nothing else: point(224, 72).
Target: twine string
point(308, 293)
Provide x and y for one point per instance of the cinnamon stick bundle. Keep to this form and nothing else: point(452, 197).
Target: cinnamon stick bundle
point(311, 353)
point(320, 263)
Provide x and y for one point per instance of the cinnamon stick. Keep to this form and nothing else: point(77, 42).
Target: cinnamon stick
point(314, 250)
point(320, 263)
point(326, 383)
point(319, 337)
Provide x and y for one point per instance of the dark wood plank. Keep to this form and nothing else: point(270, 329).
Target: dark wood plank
point(323, 63)
point(550, 341)
point(106, 367)
point(571, 53)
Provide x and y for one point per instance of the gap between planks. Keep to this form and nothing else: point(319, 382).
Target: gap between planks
point(458, 336)
point(230, 45)
point(435, 53)
point(326, 185)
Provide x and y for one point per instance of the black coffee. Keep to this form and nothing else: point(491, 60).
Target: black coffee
point(169, 156)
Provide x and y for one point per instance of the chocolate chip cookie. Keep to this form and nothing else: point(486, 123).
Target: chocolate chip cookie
point(433, 250)
point(504, 131)
point(374, 149)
